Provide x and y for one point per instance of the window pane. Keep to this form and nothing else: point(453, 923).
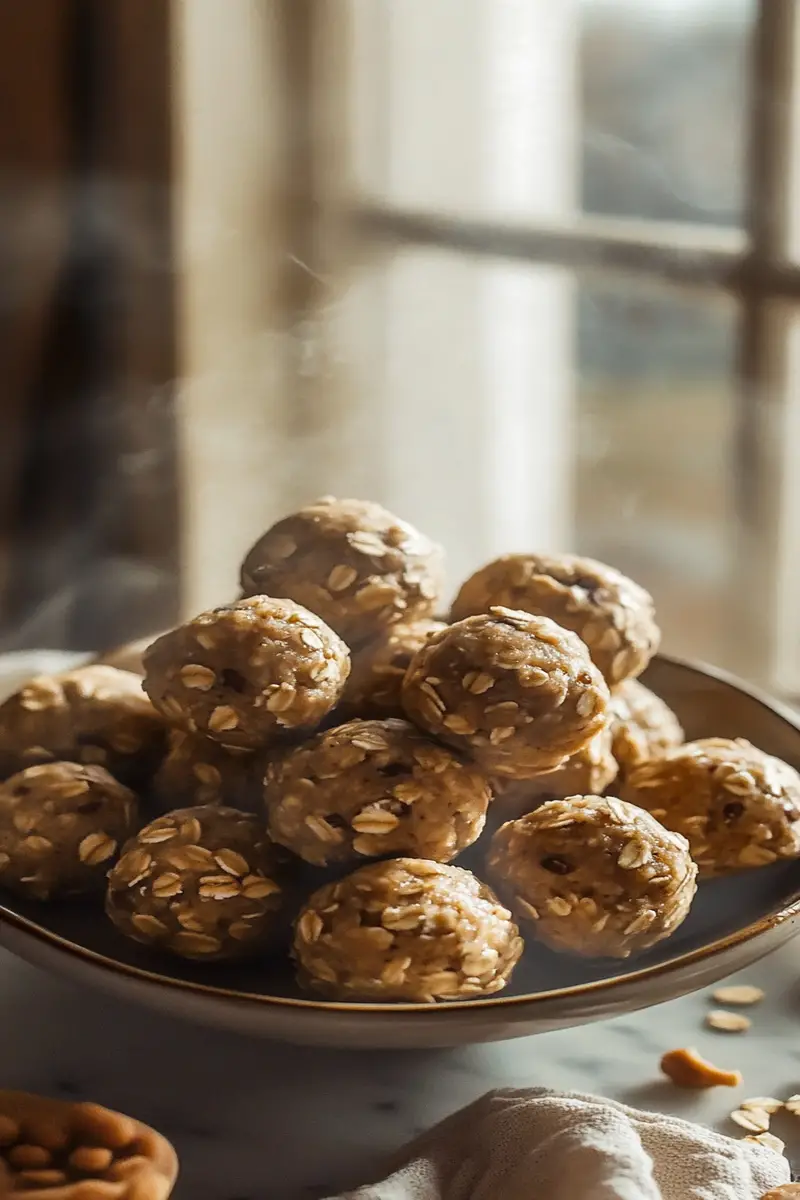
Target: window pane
point(664, 89)
point(656, 420)
point(513, 407)
point(466, 106)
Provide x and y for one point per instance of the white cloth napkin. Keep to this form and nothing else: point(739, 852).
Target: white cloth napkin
point(535, 1144)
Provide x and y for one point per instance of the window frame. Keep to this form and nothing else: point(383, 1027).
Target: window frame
point(753, 264)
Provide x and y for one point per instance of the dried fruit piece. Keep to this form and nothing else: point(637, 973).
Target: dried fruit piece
point(687, 1068)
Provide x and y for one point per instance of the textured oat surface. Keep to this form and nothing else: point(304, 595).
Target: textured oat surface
point(245, 673)
point(371, 788)
point(738, 807)
point(95, 714)
point(199, 771)
point(61, 827)
point(643, 725)
point(586, 773)
point(614, 616)
point(357, 565)
point(407, 929)
point(593, 875)
point(515, 691)
point(201, 882)
point(376, 679)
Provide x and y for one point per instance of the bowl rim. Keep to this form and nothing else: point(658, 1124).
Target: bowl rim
point(387, 1012)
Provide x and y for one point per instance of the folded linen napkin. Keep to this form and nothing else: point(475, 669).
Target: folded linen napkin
point(535, 1144)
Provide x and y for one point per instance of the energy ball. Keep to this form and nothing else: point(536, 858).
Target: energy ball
point(737, 806)
point(199, 771)
point(593, 876)
point(247, 672)
point(96, 715)
point(613, 615)
point(642, 725)
point(374, 788)
point(361, 568)
point(203, 883)
point(61, 827)
point(588, 773)
point(406, 929)
point(515, 691)
point(376, 677)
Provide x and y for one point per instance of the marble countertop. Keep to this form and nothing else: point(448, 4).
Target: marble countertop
point(256, 1121)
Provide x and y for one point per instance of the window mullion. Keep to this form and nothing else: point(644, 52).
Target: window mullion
point(762, 501)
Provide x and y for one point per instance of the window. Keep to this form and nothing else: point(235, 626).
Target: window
point(541, 294)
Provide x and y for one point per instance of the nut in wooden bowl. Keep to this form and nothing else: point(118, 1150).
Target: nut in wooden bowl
point(52, 1150)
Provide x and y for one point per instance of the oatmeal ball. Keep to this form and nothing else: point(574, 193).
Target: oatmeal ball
point(199, 771)
point(588, 773)
point(247, 672)
point(613, 615)
point(737, 806)
point(130, 656)
point(516, 692)
point(95, 714)
point(374, 788)
point(61, 827)
point(358, 566)
point(376, 677)
point(594, 876)
point(642, 725)
point(406, 929)
point(203, 882)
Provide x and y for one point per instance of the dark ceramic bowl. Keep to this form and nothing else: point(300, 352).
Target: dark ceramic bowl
point(733, 922)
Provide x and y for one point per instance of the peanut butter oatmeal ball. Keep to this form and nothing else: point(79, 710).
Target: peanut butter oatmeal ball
point(594, 876)
point(361, 568)
point(95, 714)
point(61, 827)
point(406, 929)
point(245, 673)
point(376, 678)
point(199, 771)
point(643, 725)
point(613, 615)
point(737, 806)
point(588, 773)
point(374, 788)
point(203, 883)
point(515, 691)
